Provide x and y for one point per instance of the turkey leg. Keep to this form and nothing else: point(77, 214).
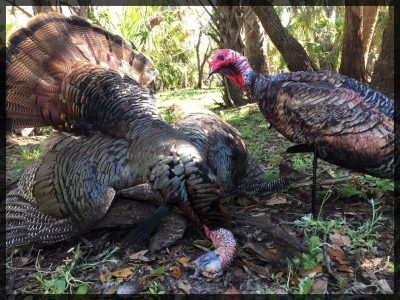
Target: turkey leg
point(305, 148)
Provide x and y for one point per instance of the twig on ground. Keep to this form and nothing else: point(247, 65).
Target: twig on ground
point(325, 182)
point(327, 260)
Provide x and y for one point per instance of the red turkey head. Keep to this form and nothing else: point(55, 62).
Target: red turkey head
point(231, 64)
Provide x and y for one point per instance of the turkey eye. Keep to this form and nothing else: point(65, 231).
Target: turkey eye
point(220, 57)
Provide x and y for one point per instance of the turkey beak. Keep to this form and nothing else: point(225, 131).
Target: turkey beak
point(210, 72)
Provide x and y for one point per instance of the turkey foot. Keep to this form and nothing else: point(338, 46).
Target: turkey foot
point(213, 263)
point(304, 148)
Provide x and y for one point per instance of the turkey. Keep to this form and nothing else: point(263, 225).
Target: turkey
point(69, 190)
point(66, 73)
point(55, 197)
point(342, 121)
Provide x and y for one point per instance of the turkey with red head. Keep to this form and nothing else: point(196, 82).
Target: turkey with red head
point(341, 120)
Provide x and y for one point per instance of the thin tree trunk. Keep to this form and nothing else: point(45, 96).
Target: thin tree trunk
point(83, 8)
point(229, 29)
point(293, 53)
point(201, 61)
point(199, 69)
point(352, 63)
point(254, 40)
point(83, 11)
point(42, 6)
point(369, 17)
point(383, 75)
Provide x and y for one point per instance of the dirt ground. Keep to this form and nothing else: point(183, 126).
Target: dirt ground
point(264, 263)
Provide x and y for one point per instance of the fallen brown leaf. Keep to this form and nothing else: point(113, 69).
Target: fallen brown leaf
point(317, 269)
point(183, 260)
point(184, 286)
point(266, 254)
point(204, 243)
point(345, 268)
point(320, 285)
point(123, 273)
point(337, 253)
point(176, 248)
point(276, 199)
point(371, 263)
point(252, 267)
point(339, 239)
point(176, 273)
point(140, 256)
point(246, 269)
point(295, 280)
point(102, 278)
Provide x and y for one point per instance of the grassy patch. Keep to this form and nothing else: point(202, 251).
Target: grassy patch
point(204, 98)
point(364, 237)
point(69, 277)
point(367, 187)
point(21, 157)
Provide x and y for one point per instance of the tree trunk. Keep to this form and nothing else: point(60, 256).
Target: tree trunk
point(83, 11)
point(199, 70)
point(42, 6)
point(352, 63)
point(229, 29)
point(369, 19)
point(83, 8)
point(383, 75)
point(293, 53)
point(201, 61)
point(254, 41)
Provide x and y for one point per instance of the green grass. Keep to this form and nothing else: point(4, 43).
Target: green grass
point(69, 278)
point(364, 236)
point(22, 157)
point(204, 98)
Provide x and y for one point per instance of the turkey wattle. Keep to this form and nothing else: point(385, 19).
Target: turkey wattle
point(338, 118)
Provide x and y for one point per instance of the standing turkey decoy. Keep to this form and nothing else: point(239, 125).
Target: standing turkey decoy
point(339, 119)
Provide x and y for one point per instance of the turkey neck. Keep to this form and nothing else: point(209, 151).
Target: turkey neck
point(257, 85)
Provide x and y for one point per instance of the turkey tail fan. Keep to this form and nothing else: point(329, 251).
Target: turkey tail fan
point(42, 54)
point(26, 224)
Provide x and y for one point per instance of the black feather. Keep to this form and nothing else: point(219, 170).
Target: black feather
point(146, 228)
